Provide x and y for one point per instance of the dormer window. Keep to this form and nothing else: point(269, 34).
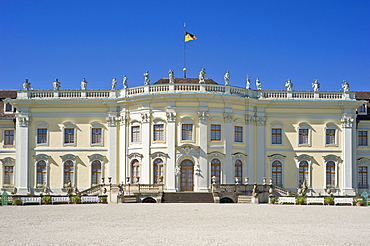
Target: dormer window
point(362, 110)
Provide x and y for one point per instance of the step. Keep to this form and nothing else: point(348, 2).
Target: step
point(187, 197)
point(245, 199)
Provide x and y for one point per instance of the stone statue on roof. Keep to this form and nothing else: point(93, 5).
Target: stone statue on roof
point(315, 85)
point(114, 83)
point(56, 84)
point(227, 78)
point(248, 84)
point(258, 84)
point(124, 82)
point(83, 84)
point(202, 74)
point(289, 85)
point(345, 86)
point(146, 78)
point(26, 85)
point(171, 76)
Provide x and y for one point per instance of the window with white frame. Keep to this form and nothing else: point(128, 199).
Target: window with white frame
point(135, 171)
point(215, 132)
point(41, 175)
point(42, 136)
point(158, 171)
point(276, 137)
point(8, 108)
point(68, 172)
point(303, 172)
point(69, 133)
point(135, 134)
point(158, 132)
point(330, 174)
point(330, 137)
point(362, 138)
point(239, 170)
point(238, 134)
point(216, 170)
point(362, 110)
point(277, 173)
point(8, 137)
point(8, 175)
point(96, 172)
point(303, 136)
point(363, 177)
point(96, 135)
point(187, 132)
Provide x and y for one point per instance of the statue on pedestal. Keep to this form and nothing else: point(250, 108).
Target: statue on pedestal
point(258, 84)
point(315, 85)
point(171, 76)
point(56, 85)
point(26, 85)
point(248, 84)
point(255, 190)
point(227, 78)
point(289, 85)
point(83, 84)
point(146, 78)
point(114, 83)
point(345, 86)
point(202, 74)
point(69, 187)
point(124, 82)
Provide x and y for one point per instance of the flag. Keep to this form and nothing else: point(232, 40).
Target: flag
point(189, 37)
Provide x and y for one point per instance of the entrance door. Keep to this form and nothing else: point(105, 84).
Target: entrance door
point(187, 175)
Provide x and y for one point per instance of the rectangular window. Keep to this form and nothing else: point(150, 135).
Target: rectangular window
point(9, 137)
point(362, 138)
point(187, 132)
point(362, 177)
point(42, 136)
point(135, 134)
point(8, 108)
point(158, 131)
point(276, 136)
point(69, 136)
point(96, 134)
point(362, 110)
point(215, 132)
point(303, 136)
point(8, 175)
point(238, 134)
point(330, 136)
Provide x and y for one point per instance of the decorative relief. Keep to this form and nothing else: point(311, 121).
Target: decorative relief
point(261, 121)
point(249, 119)
point(112, 121)
point(135, 156)
point(145, 117)
point(228, 117)
point(171, 116)
point(363, 161)
point(347, 121)
point(24, 121)
point(203, 116)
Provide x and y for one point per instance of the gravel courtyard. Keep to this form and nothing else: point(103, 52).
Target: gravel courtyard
point(184, 224)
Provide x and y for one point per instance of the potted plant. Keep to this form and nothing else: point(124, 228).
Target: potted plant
point(329, 200)
point(104, 200)
point(360, 203)
point(46, 199)
point(300, 200)
point(76, 200)
point(17, 202)
point(273, 200)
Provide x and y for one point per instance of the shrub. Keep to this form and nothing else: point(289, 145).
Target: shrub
point(360, 202)
point(46, 199)
point(300, 200)
point(273, 200)
point(329, 200)
point(17, 201)
point(76, 199)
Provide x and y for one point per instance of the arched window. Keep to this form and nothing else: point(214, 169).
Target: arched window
point(135, 174)
point(303, 172)
point(158, 171)
point(330, 174)
point(362, 177)
point(238, 170)
point(277, 173)
point(216, 170)
point(95, 172)
point(8, 175)
point(68, 172)
point(41, 173)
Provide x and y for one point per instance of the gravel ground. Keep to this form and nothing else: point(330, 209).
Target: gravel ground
point(184, 224)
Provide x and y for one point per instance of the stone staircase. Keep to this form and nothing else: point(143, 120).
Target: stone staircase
point(245, 199)
point(187, 197)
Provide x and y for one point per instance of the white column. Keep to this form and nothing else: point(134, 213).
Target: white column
point(250, 141)
point(22, 166)
point(261, 153)
point(349, 158)
point(112, 148)
point(145, 139)
point(123, 138)
point(171, 151)
point(227, 167)
point(203, 144)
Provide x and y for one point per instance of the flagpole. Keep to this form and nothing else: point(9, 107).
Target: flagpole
point(184, 69)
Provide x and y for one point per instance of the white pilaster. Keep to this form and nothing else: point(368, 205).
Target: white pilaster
point(22, 166)
point(261, 153)
point(349, 154)
point(250, 148)
point(123, 139)
point(203, 144)
point(112, 147)
point(228, 165)
point(171, 151)
point(146, 138)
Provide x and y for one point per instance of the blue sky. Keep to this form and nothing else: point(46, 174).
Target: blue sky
point(99, 40)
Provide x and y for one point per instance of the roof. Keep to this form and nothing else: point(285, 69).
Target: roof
point(3, 95)
point(185, 81)
point(363, 95)
point(8, 94)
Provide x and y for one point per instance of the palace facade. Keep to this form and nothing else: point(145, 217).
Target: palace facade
point(185, 134)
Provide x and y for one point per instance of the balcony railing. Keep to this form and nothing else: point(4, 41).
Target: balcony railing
point(186, 88)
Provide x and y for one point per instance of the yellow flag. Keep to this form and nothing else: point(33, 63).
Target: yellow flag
point(189, 37)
